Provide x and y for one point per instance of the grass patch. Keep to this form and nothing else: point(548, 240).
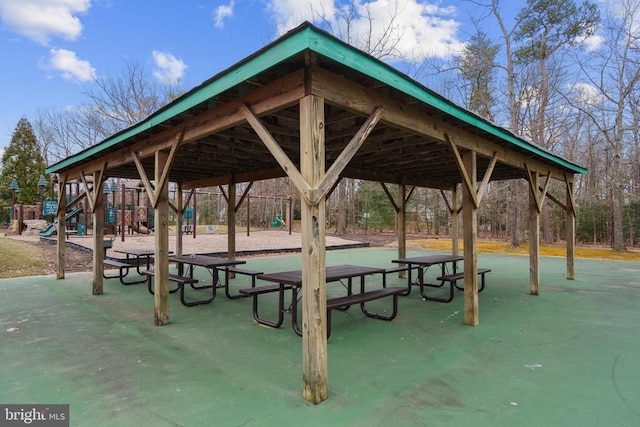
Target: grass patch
point(545, 250)
point(20, 259)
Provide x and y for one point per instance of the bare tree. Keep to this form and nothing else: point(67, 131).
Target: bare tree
point(609, 103)
point(112, 105)
point(128, 98)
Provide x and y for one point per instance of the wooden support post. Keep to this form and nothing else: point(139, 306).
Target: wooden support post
point(161, 257)
point(62, 195)
point(571, 231)
point(123, 210)
point(470, 229)
point(534, 234)
point(314, 297)
point(454, 221)
point(98, 233)
point(231, 221)
point(179, 213)
point(194, 195)
point(401, 224)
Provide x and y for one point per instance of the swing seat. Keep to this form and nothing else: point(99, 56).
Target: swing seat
point(278, 222)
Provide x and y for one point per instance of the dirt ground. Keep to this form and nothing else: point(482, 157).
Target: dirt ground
point(80, 261)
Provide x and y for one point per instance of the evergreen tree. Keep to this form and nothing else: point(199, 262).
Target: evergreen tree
point(23, 161)
point(477, 69)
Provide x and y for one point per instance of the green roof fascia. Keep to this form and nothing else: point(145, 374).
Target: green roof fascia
point(255, 64)
point(343, 53)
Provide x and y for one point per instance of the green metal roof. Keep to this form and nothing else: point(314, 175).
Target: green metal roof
point(309, 37)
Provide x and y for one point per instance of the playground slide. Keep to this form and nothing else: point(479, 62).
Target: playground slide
point(139, 229)
point(51, 228)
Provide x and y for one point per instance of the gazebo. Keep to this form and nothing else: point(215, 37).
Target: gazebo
point(315, 109)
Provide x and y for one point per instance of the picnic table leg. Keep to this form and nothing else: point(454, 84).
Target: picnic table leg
point(199, 302)
point(226, 285)
point(294, 311)
point(394, 311)
point(437, 299)
point(278, 323)
point(409, 281)
point(432, 285)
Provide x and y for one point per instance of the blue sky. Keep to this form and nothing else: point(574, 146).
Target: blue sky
point(52, 49)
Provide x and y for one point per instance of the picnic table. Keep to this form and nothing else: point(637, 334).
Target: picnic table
point(137, 255)
point(134, 257)
point(423, 263)
point(293, 280)
point(212, 264)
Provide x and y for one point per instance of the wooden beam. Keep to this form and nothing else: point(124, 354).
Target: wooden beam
point(470, 229)
point(555, 200)
point(162, 179)
point(179, 210)
point(390, 178)
point(446, 201)
point(161, 237)
point(534, 233)
point(396, 207)
point(244, 195)
point(342, 92)
point(466, 179)
point(231, 221)
point(98, 178)
point(533, 190)
point(409, 194)
point(273, 96)
point(330, 192)
point(487, 176)
point(75, 200)
point(240, 177)
point(571, 231)
point(333, 174)
point(455, 221)
point(571, 203)
point(401, 224)
point(281, 157)
point(314, 297)
point(97, 209)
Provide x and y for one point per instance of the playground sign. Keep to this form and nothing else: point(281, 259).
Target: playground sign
point(188, 213)
point(111, 216)
point(50, 207)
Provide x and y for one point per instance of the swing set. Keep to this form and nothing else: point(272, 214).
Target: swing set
point(266, 208)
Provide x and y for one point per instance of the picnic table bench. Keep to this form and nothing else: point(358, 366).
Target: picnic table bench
point(123, 270)
point(453, 278)
point(362, 298)
point(293, 280)
point(255, 291)
point(180, 281)
point(235, 270)
point(213, 264)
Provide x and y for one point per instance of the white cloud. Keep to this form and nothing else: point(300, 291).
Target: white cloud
point(587, 94)
point(169, 69)
point(40, 20)
point(223, 12)
point(424, 30)
point(593, 43)
point(71, 67)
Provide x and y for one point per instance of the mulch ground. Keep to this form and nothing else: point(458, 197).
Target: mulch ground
point(80, 261)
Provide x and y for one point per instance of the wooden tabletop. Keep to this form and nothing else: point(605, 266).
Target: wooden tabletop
point(333, 274)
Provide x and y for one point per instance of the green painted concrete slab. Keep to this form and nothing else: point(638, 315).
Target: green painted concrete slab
point(568, 357)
